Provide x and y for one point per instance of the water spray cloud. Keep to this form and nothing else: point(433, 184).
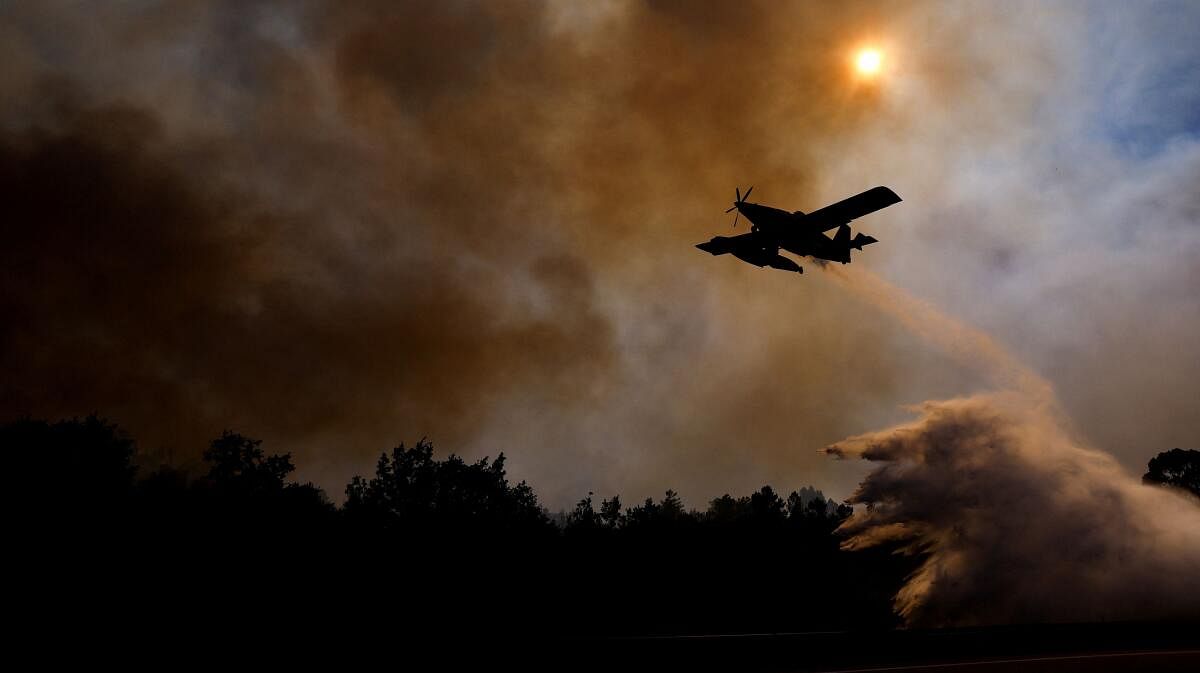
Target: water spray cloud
point(1019, 521)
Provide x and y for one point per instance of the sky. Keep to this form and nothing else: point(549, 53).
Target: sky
point(339, 226)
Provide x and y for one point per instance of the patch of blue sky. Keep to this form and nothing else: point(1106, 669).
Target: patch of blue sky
point(1142, 72)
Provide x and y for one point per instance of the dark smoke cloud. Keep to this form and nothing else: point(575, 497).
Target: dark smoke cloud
point(340, 225)
point(131, 284)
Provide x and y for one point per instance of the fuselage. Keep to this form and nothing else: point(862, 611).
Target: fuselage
point(777, 227)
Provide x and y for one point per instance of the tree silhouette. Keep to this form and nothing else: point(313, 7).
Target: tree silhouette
point(414, 491)
point(584, 518)
point(726, 509)
point(671, 506)
point(74, 472)
point(1178, 467)
point(665, 516)
point(610, 512)
point(767, 507)
point(238, 464)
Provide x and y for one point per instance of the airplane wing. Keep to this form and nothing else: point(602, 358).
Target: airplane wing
point(835, 215)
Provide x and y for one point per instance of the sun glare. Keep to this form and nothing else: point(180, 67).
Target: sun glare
point(868, 61)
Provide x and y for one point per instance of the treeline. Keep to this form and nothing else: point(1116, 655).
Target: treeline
point(454, 542)
point(81, 473)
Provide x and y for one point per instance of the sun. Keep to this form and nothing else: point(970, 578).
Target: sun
point(868, 61)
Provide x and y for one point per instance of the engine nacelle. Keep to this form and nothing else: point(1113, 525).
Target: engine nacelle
point(785, 264)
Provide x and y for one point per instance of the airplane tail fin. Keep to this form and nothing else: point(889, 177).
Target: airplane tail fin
point(842, 237)
point(841, 241)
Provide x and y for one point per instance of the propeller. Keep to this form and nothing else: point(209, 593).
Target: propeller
point(741, 198)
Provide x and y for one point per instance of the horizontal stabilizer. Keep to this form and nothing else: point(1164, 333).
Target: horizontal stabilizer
point(861, 240)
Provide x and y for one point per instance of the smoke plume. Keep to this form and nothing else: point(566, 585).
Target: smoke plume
point(336, 226)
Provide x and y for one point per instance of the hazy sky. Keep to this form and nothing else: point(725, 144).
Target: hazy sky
point(336, 226)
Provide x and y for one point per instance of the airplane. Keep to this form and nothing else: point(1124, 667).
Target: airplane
point(798, 233)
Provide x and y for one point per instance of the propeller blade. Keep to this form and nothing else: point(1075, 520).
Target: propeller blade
point(747, 195)
point(739, 194)
point(731, 208)
point(735, 218)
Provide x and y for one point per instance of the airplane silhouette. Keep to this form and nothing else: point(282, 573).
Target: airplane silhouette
point(798, 233)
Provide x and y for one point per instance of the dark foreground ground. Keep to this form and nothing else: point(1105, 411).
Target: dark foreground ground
point(1108, 647)
point(234, 641)
point(411, 621)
